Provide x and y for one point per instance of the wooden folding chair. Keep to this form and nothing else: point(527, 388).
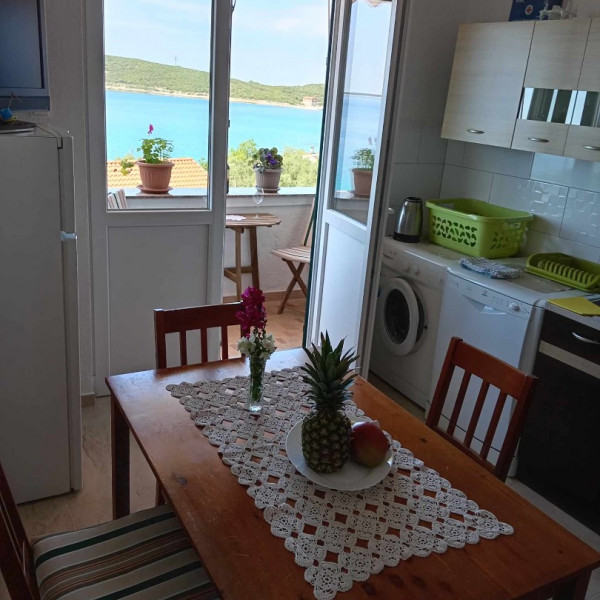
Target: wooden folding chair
point(296, 259)
point(147, 552)
point(509, 380)
point(196, 318)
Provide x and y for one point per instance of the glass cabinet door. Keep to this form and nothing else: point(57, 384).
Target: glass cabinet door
point(547, 105)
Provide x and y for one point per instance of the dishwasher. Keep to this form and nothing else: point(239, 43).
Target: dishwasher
point(559, 451)
point(501, 317)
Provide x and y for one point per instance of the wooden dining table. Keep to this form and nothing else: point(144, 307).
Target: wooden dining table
point(539, 560)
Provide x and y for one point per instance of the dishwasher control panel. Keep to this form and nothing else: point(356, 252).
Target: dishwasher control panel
point(489, 299)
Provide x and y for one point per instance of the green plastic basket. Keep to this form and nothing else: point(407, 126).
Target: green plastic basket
point(575, 272)
point(476, 228)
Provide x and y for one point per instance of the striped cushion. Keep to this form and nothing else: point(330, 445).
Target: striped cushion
point(146, 555)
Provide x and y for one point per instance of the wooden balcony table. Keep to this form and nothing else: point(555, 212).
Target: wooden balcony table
point(247, 562)
point(238, 224)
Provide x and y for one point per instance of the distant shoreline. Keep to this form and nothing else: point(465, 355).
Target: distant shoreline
point(134, 90)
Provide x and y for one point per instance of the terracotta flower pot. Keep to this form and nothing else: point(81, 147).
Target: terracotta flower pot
point(155, 177)
point(362, 182)
point(268, 179)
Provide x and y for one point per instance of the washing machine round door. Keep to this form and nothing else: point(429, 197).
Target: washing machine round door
point(400, 316)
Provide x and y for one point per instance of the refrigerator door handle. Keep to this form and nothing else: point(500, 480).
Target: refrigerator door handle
point(67, 237)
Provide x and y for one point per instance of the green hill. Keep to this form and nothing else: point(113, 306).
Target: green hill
point(141, 75)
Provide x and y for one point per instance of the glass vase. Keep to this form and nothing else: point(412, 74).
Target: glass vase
point(255, 386)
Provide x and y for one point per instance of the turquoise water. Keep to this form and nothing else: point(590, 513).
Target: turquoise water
point(185, 122)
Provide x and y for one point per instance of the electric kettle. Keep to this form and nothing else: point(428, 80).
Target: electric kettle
point(410, 220)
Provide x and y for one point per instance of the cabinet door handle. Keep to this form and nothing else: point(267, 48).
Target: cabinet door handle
point(475, 131)
point(592, 147)
point(541, 140)
point(584, 339)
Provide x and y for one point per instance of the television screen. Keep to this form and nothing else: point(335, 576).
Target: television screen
point(23, 55)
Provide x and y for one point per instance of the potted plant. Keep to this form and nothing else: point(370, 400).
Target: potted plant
point(266, 163)
point(155, 168)
point(364, 161)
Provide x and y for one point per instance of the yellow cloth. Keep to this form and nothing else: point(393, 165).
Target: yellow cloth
point(581, 306)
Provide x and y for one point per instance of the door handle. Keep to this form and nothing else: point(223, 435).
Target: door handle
point(475, 131)
point(584, 339)
point(540, 140)
point(592, 147)
point(67, 237)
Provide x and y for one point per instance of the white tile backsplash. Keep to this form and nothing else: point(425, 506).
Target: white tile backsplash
point(544, 200)
point(582, 217)
point(562, 193)
point(422, 181)
point(458, 182)
point(537, 242)
point(498, 160)
point(582, 174)
point(432, 148)
point(455, 153)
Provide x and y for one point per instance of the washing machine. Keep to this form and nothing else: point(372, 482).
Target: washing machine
point(407, 315)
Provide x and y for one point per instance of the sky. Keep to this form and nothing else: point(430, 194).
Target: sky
point(276, 43)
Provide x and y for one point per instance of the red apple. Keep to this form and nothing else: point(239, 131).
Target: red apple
point(369, 446)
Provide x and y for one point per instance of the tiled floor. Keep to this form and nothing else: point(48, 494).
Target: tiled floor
point(92, 504)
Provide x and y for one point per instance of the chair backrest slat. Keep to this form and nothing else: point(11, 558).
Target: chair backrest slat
point(183, 347)
point(460, 398)
point(15, 549)
point(487, 442)
point(197, 318)
point(224, 343)
point(476, 414)
point(510, 381)
point(204, 344)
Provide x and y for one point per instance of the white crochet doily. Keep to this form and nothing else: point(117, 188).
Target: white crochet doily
point(338, 537)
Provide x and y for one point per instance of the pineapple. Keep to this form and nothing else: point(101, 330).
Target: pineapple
point(326, 431)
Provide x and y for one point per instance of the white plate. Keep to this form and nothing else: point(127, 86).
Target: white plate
point(351, 477)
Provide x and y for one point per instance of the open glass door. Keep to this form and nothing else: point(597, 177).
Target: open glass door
point(365, 42)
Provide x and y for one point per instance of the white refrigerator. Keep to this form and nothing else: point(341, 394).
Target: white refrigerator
point(40, 406)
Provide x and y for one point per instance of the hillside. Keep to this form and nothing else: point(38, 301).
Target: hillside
point(144, 76)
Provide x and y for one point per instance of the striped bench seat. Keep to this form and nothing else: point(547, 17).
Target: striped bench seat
point(146, 555)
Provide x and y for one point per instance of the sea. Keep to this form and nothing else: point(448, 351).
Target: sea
point(184, 121)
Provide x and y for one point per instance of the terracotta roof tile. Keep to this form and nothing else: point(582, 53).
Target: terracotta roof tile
point(187, 173)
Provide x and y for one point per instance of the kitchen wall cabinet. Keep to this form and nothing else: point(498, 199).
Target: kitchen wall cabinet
point(486, 82)
point(551, 78)
point(583, 139)
point(556, 107)
point(556, 54)
point(590, 71)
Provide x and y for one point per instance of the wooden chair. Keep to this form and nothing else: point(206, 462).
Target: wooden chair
point(182, 320)
point(492, 371)
point(145, 551)
point(299, 255)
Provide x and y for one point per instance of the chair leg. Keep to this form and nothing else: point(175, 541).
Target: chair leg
point(295, 279)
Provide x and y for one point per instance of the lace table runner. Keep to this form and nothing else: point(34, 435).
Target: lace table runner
point(338, 537)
